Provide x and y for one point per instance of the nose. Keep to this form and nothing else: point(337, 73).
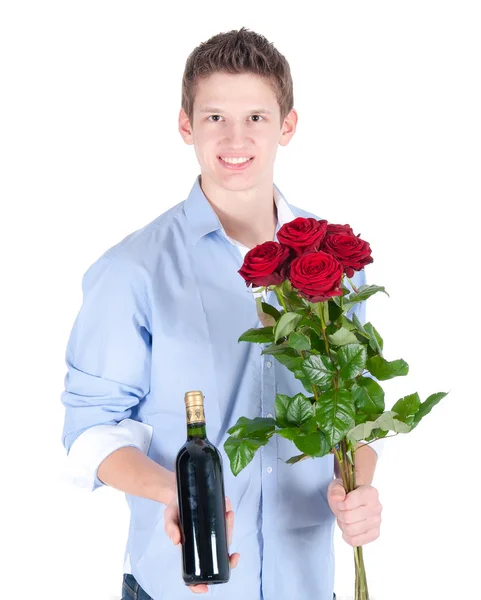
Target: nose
point(235, 135)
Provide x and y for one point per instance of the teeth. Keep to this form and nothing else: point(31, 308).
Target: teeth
point(235, 161)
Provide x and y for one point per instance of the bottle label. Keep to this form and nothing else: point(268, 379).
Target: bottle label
point(195, 414)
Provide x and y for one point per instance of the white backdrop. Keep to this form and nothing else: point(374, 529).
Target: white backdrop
point(388, 139)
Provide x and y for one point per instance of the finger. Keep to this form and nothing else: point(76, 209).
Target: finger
point(228, 504)
point(364, 495)
point(230, 527)
point(355, 515)
point(172, 529)
point(234, 560)
point(200, 588)
point(361, 526)
point(363, 539)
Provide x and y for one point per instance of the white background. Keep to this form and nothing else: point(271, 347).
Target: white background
point(388, 140)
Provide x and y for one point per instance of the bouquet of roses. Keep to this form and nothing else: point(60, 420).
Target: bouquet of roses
point(338, 359)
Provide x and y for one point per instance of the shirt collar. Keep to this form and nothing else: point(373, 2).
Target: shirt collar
point(203, 219)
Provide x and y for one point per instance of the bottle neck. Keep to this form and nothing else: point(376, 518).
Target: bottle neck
point(196, 431)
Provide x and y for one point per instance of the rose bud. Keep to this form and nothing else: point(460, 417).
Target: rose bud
point(302, 235)
point(350, 250)
point(266, 264)
point(317, 276)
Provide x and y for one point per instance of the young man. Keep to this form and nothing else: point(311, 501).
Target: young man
point(161, 315)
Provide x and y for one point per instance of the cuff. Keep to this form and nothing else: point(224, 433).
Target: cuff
point(94, 445)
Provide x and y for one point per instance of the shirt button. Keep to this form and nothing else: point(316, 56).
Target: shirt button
point(270, 415)
point(269, 469)
point(268, 364)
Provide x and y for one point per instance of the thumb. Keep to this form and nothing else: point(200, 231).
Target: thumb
point(336, 492)
point(171, 524)
point(174, 533)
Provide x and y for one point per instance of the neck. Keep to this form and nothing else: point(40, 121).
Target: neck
point(248, 216)
point(196, 431)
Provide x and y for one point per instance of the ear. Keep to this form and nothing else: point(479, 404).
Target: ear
point(288, 127)
point(185, 128)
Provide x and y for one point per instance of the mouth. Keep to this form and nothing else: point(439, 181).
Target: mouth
point(236, 167)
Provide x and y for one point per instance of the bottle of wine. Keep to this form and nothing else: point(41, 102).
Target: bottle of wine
point(201, 498)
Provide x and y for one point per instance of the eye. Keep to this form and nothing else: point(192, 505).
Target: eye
point(259, 116)
point(211, 116)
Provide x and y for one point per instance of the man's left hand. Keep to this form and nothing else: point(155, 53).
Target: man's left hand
point(358, 513)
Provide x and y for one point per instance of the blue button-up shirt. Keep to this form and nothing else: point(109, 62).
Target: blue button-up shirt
point(162, 313)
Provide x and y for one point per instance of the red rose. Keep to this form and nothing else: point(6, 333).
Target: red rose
point(350, 250)
point(266, 264)
point(317, 276)
point(302, 235)
point(333, 228)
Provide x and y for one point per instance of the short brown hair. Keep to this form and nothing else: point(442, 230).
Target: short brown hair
point(238, 51)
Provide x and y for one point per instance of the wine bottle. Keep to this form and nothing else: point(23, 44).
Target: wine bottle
point(201, 498)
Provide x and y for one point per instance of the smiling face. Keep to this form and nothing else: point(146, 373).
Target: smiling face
point(236, 115)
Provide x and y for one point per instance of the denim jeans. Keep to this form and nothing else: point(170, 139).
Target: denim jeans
point(131, 590)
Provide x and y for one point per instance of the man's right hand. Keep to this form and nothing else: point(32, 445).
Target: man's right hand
point(172, 529)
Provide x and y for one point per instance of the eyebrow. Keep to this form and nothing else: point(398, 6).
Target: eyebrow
point(258, 111)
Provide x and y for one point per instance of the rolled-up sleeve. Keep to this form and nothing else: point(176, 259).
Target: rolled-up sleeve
point(109, 363)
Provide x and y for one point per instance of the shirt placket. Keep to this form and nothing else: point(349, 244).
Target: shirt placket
point(268, 477)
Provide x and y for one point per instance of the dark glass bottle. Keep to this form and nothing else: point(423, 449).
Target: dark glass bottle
point(200, 493)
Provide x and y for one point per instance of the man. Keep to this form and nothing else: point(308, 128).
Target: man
point(161, 315)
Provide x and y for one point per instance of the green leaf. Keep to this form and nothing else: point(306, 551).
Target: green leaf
point(317, 344)
point(299, 341)
point(286, 355)
point(313, 444)
point(265, 319)
point(376, 434)
point(290, 433)
point(363, 293)
point(291, 296)
point(299, 410)
point(292, 411)
point(347, 323)
point(289, 361)
point(257, 428)
point(359, 326)
point(363, 417)
point(375, 340)
point(296, 459)
point(318, 369)
point(368, 396)
point(309, 426)
point(271, 310)
point(280, 409)
point(299, 374)
point(407, 407)
point(282, 348)
point(342, 337)
point(427, 405)
point(368, 331)
point(335, 414)
point(241, 452)
point(352, 360)
point(258, 335)
point(334, 311)
point(386, 422)
point(308, 323)
point(286, 324)
point(383, 369)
